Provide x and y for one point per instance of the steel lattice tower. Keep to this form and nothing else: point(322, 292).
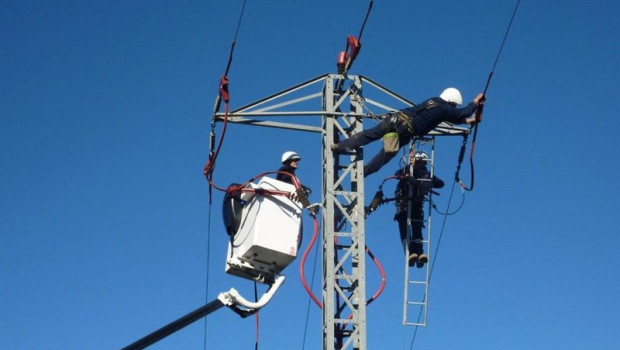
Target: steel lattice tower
point(344, 108)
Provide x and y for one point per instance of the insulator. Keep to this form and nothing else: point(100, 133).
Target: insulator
point(302, 197)
point(212, 141)
point(218, 102)
point(376, 201)
point(342, 60)
point(340, 68)
point(462, 154)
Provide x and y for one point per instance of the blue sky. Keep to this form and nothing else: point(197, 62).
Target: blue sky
point(104, 213)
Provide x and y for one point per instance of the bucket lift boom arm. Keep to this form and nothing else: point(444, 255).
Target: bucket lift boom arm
point(231, 299)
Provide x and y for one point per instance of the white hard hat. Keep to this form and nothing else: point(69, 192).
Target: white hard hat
point(290, 155)
point(452, 95)
point(421, 155)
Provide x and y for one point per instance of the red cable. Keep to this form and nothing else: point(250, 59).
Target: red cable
point(210, 166)
point(243, 187)
point(381, 271)
point(381, 287)
point(303, 263)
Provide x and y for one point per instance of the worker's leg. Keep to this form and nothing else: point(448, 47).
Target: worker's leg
point(378, 161)
point(365, 137)
point(416, 239)
point(384, 157)
point(401, 218)
point(417, 224)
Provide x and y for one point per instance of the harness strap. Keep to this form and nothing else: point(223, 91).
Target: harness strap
point(407, 121)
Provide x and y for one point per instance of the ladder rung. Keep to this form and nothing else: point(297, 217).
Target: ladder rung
point(416, 303)
point(417, 282)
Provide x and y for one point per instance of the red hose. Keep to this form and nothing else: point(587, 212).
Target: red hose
point(381, 287)
point(210, 166)
point(381, 271)
point(303, 263)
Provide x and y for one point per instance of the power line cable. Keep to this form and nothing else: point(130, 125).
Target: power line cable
point(430, 274)
point(223, 90)
point(206, 324)
point(479, 115)
point(480, 109)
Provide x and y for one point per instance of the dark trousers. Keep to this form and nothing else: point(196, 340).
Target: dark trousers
point(373, 134)
point(415, 241)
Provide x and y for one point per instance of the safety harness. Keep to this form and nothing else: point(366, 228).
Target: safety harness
point(391, 140)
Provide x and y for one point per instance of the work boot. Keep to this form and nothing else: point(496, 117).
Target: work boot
point(423, 259)
point(337, 149)
point(413, 258)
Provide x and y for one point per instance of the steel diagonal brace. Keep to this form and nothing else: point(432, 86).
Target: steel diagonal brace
point(342, 99)
point(344, 258)
point(346, 213)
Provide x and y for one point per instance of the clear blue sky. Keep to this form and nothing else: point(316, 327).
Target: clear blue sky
point(104, 121)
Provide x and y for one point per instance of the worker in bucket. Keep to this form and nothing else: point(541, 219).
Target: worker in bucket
point(418, 184)
point(397, 128)
point(290, 162)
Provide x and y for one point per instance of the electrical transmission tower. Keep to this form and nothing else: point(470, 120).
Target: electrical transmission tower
point(344, 101)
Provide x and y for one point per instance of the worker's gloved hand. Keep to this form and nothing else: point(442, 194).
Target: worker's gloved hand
point(308, 190)
point(425, 186)
point(479, 99)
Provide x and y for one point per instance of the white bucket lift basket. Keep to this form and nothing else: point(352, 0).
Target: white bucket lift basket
point(268, 235)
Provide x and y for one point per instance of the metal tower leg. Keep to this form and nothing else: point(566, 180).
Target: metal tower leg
point(344, 287)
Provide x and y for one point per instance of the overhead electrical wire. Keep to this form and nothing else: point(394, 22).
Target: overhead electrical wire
point(430, 274)
point(479, 117)
point(214, 152)
point(479, 111)
point(222, 94)
point(351, 49)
